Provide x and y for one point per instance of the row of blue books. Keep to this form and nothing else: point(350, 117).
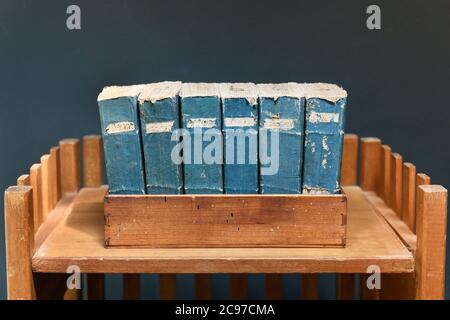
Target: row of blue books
point(237, 138)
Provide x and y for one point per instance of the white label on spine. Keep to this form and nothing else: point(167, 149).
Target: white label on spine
point(239, 122)
point(281, 124)
point(326, 117)
point(120, 127)
point(159, 127)
point(201, 123)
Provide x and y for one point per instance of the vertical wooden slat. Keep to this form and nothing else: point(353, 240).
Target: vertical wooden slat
point(431, 226)
point(45, 172)
point(23, 180)
point(96, 286)
point(69, 169)
point(422, 179)
point(345, 283)
point(203, 286)
point(403, 286)
point(409, 194)
point(36, 185)
point(396, 183)
point(365, 292)
point(370, 166)
point(386, 173)
point(167, 286)
point(92, 178)
point(131, 286)
point(310, 286)
point(372, 169)
point(70, 165)
point(273, 286)
point(349, 169)
point(53, 174)
point(19, 237)
point(238, 286)
point(92, 161)
point(345, 286)
point(55, 154)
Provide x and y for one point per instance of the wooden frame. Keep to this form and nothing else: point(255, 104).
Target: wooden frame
point(225, 220)
point(410, 207)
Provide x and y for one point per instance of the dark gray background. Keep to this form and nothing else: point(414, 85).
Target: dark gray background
point(397, 78)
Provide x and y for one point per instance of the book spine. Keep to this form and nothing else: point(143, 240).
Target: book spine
point(240, 127)
point(202, 147)
point(159, 120)
point(281, 144)
point(122, 145)
point(324, 137)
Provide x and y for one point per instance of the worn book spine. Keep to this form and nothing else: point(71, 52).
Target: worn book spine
point(240, 129)
point(122, 140)
point(324, 135)
point(281, 121)
point(159, 114)
point(202, 141)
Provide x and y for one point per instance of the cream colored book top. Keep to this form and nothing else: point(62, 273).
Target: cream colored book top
point(248, 91)
point(115, 92)
point(200, 89)
point(277, 90)
point(157, 91)
point(325, 91)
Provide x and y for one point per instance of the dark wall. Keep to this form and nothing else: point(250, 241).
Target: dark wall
point(397, 77)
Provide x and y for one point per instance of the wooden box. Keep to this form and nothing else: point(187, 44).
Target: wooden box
point(225, 220)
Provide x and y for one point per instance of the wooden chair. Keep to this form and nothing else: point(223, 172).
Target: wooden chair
point(48, 218)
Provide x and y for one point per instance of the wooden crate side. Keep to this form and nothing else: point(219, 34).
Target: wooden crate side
point(225, 220)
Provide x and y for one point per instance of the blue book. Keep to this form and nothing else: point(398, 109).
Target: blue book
point(160, 118)
point(324, 135)
point(240, 129)
point(202, 138)
point(281, 122)
point(122, 139)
